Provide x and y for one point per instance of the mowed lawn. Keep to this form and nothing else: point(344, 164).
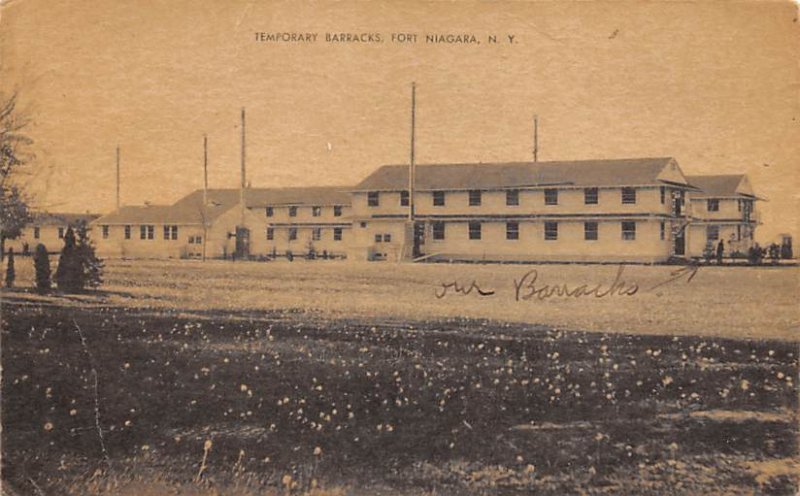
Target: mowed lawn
point(335, 378)
point(718, 301)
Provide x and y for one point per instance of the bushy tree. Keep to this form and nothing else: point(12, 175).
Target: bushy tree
point(10, 272)
point(91, 265)
point(69, 273)
point(13, 155)
point(41, 264)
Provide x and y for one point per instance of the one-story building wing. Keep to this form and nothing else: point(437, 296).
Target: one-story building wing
point(48, 229)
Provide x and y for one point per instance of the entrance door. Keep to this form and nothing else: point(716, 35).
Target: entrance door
point(680, 243)
point(419, 238)
point(242, 242)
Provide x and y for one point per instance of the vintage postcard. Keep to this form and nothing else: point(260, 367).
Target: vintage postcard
point(399, 248)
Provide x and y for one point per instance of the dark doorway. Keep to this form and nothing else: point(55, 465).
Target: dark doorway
point(680, 243)
point(242, 243)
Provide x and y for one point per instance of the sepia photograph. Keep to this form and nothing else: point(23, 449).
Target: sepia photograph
point(423, 248)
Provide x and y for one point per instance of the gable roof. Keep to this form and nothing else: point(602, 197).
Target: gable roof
point(617, 172)
point(189, 209)
point(719, 186)
point(61, 219)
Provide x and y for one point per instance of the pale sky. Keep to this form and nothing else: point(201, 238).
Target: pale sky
point(714, 85)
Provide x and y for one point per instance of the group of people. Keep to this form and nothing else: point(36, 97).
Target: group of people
point(756, 253)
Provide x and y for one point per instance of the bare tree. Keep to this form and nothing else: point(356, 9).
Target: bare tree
point(14, 154)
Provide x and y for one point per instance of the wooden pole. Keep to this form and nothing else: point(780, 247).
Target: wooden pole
point(412, 168)
point(118, 180)
point(535, 138)
point(243, 174)
point(205, 194)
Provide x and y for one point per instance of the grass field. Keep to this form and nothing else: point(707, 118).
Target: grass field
point(356, 379)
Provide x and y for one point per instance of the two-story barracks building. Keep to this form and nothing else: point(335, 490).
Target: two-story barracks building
point(277, 221)
point(586, 211)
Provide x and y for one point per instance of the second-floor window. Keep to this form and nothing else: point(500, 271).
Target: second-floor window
point(147, 232)
point(628, 230)
point(551, 196)
point(590, 196)
point(171, 232)
point(474, 198)
point(512, 230)
point(474, 230)
point(590, 231)
point(628, 196)
point(438, 230)
point(404, 198)
point(663, 191)
point(512, 197)
point(373, 200)
point(270, 211)
point(712, 205)
point(105, 232)
point(316, 211)
point(337, 210)
point(438, 198)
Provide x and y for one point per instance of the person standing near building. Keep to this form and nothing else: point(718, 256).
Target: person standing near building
point(720, 251)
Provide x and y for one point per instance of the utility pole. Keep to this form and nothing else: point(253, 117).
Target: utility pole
point(412, 168)
point(243, 178)
point(535, 138)
point(205, 194)
point(118, 200)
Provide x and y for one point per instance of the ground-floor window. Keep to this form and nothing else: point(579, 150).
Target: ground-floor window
point(195, 240)
point(628, 230)
point(438, 230)
point(551, 231)
point(292, 233)
point(270, 233)
point(474, 230)
point(512, 230)
point(36, 232)
point(127, 232)
point(316, 234)
point(712, 233)
point(105, 232)
point(337, 233)
point(60, 233)
point(662, 230)
point(738, 233)
point(590, 231)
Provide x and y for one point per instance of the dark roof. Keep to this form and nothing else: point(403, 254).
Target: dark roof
point(188, 210)
point(61, 219)
point(619, 172)
point(717, 186)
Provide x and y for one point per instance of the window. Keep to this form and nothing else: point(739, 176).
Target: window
point(628, 230)
point(337, 233)
point(590, 196)
point(378, 238)
point(628, 196)
point(662, 231)
point(36, 232)
point(438, 198)
point(316, 234)
point(127, 232)
point(337, 210)
point(512, 230)
point(171, 232)
point(270, 211)
point(387, 238)
point(60, 233)
point(474, 230)
point(590, 231)
point(292, 211)
point(404, 198)
point(195, 240)
point(270, 234)
point(474, 198)
point(316, 211)
point(363, 225)
point(738, 232)
point(373, 200)
point(663, 194)
point(551, 196)
point(512, 197)
point(712, 205)
point(147, 232)
point(712, 233)
point(550, 231)
point(438, 230)
point(105, 232)
point(292, 233)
